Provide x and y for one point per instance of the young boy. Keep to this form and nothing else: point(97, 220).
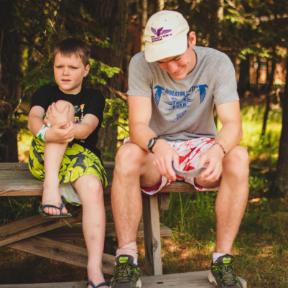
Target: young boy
point(65, 120)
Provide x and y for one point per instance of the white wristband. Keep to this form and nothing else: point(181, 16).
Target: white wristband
point(41, 133)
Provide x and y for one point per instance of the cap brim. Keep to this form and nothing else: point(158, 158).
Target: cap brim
point(156, 51)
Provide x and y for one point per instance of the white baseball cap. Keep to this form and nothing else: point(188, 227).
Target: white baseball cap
point(165, 35)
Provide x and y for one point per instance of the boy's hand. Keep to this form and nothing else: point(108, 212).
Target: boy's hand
point(60, 133)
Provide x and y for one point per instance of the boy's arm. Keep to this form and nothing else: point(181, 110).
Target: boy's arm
point(56, 134)
point(35, 119)
point(84, 128)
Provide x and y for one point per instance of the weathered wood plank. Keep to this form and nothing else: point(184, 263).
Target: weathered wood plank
point(152, 238)
point(61, 251)
point(75, 232)
point(20, 225)
point(10, 236)
point(16, 180)
point(179, 280)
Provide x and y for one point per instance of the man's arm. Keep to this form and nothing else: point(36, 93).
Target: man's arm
point(231, 132)
point(227, 138)
point(140, 111)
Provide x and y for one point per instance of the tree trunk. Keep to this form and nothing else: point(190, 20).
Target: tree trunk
point(281, 183)
point(268, 89)
point(111, 17)
point(244, 76)
point(10, 88)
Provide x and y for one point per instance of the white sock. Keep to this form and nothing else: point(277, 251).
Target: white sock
point(216, 255)
point(129, 249)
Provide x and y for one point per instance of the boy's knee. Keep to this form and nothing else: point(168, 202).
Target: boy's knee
point(66, 107)
point(65, 112)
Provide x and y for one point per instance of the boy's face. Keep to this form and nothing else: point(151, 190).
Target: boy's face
point(69, 72)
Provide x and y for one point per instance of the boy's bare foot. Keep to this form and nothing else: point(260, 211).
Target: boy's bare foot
point(51, 196)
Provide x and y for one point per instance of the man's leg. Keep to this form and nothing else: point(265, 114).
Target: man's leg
point(232, 198)
point(133, 167)
point(230, 206)
point(90, 192)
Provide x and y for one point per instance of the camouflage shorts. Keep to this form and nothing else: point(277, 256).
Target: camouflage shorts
point(77, 161)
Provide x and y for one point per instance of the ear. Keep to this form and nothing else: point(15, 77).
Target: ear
point(87, 69)
point(191, 39)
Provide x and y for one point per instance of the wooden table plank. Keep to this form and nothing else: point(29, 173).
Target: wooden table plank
point(34, 230)
point(179, 280)
point(61, 251)
point(16, 180)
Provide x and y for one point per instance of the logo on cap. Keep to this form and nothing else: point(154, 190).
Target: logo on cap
point(160, 33)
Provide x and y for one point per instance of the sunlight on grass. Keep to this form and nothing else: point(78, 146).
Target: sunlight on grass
point(265, 149)
point(24, 140)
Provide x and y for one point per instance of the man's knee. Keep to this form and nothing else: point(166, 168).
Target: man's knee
point(129, 159)
point(237, 161)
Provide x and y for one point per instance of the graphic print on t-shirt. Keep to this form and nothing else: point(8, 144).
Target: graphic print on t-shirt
point(174, 104)
point(79, 113)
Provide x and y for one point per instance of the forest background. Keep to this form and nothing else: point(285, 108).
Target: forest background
point(253, 34)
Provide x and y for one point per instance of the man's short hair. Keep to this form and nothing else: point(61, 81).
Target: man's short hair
point(73, 46)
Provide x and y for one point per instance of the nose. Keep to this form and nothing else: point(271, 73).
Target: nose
point(171, 67)
point(65, 70)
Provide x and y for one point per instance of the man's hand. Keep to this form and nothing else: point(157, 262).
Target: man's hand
point(212, 161)
point(164, 155)
point(60, 133)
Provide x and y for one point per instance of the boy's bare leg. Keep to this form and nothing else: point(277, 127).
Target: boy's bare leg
point(53, 155)
point(91, 195)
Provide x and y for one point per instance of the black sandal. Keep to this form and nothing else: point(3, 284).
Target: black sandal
point(102, 284)
point(48, 215)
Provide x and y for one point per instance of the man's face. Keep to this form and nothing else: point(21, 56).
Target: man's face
point(69, 72)
point(180, 65)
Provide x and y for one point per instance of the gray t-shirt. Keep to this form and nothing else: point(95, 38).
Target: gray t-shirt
point(183, 109)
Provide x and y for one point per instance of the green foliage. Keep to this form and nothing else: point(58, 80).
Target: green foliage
point(100, 72)
point(261, 149)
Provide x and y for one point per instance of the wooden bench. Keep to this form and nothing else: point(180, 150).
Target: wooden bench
point(23, 234)
point(27, 234)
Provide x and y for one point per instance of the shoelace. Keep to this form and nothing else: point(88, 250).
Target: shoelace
point(123, 272)
point(228, 276)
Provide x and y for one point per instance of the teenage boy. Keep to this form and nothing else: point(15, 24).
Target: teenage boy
point(173, 89)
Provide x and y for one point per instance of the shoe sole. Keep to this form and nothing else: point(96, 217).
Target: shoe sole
point(212, 280)
point(138, 284)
